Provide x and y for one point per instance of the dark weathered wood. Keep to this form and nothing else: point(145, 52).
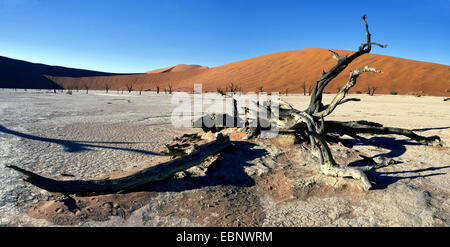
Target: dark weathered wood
point(354, 127)
point(152, 174)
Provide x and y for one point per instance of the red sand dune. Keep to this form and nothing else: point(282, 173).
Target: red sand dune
point(288, 70)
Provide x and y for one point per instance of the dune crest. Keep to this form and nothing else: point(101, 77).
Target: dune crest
point(177, 68)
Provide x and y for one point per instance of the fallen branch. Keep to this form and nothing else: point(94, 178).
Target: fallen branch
point(149, 175)
point(354, 127)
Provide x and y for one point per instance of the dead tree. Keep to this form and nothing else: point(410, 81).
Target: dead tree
point(170, 88)
point(129, 86)
point(76, 86)
point(220, 91)
point(86, 86)
point(304, 87)
point(372, 90)
point(157, 89)
point(53, 85)
point(310, 87)
point(107, 87)
point(311, 123)
point(232, 88)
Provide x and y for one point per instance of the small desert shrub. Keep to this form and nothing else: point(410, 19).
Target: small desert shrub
point(447, 90)
point(69, 92)
point(358, 92)
point(393, 93)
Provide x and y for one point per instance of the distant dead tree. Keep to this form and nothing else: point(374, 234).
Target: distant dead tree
point(76, 86)
point(141, 88)
point(233, 88)
point(170, 88)
point(86, 86)
point(286, 92)
point(310, 87)
point(260, 89)
point(220, 91)
point(129, 86)
point(304, 87)
point(373, 91)
point(53, 86)
point(157, 89)
point(107, 87)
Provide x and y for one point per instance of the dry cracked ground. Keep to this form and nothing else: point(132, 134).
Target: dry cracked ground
point(272, 182)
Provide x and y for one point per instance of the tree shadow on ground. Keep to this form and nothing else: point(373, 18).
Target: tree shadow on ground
point(228, 169)
point(382, 179)
point(396, 147)
point(73, 146)
point(427, 129)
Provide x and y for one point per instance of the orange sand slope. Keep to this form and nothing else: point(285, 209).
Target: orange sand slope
point(288, 70)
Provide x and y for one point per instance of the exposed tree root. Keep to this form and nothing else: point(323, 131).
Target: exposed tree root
point(330, 167)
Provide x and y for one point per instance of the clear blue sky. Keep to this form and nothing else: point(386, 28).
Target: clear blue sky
point(135, 36)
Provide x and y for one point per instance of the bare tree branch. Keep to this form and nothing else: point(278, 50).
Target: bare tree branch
point(343, 92)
